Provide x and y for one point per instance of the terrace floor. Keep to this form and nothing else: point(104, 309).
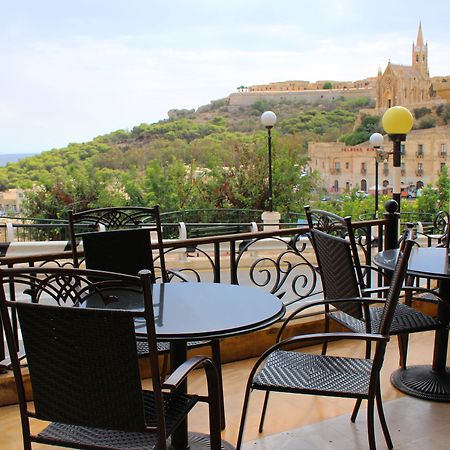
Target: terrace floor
point(308, 422)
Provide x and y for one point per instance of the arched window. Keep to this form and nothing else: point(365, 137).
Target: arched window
point(364, 185)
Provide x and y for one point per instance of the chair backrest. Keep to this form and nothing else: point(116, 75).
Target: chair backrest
point(83, 362)
point(117, 218)
point(337, 271)
point(395, 287)
point(122, 251)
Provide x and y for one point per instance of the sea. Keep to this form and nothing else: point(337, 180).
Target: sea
point(12, 157)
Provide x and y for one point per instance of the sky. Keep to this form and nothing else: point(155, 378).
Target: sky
point(71, 71)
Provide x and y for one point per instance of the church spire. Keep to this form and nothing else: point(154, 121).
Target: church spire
point(419, 42)
point(420, 54)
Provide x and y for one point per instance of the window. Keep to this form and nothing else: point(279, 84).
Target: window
point(364, 185)
point(443, 150)
point(347, 165)
point(402, 168)
point(363, 168)
point(402, 148)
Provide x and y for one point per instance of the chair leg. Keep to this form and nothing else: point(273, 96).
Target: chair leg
point(356, 410)
point(215, 348)
point(370, 424)
point(384, 426)
point(243, 417)
point(403, 349)
point(327, 330)
point(263, 412)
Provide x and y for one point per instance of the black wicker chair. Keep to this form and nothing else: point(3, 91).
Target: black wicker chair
point(343, 277)
point(127, 245)
point(286, 368)
point(83, 363)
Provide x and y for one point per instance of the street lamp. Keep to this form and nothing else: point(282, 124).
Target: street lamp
point(376, 141)
point(269, 119)
point(397, 122)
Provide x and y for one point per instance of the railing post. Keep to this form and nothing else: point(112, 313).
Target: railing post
point(391, 232)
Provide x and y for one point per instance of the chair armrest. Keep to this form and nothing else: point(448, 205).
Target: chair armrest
point(377, 270)
point(181, 372)
point(362, 300)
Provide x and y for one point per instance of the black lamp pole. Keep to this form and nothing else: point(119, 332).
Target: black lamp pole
point(397, 140)
point(269, 146)
point(376, 182)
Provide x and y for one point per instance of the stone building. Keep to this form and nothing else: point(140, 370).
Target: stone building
point(343, 167)
point(406, 85)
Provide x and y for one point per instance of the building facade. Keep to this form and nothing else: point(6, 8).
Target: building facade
point(343, 168)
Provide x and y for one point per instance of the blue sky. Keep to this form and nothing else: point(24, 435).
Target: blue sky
point(71, 71)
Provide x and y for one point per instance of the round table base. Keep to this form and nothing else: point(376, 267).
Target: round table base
point(200, 441)
point(423, 382)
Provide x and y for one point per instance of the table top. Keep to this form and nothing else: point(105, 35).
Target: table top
point(205, 310)
point(428, 262)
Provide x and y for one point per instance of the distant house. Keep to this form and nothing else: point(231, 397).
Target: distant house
point(11, 201)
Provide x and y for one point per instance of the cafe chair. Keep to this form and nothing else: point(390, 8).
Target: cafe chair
point(83, 363)
point(344, 277)
point(130, 249)
point(288, 368)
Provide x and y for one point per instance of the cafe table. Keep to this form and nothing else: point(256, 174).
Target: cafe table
point(202, 311)
point(425, 381)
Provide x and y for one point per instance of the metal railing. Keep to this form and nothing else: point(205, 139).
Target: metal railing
point(279, 261)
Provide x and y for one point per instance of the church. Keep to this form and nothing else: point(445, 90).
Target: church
point(406, 85)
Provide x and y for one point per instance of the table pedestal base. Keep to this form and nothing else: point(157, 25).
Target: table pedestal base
point(423, 382)
point(200, 441)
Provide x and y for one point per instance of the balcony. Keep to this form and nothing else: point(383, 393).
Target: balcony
point(419, 154)
point(292, 421)
point(335, 171)
point(419, 172)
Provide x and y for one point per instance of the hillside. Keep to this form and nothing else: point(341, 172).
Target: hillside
point(208, 136)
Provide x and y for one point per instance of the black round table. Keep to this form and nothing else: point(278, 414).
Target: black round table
point(196, 311)
point(426, 382)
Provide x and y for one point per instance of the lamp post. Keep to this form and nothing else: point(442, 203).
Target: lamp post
point(376, 141)
point(397, 122)
point(269, 119)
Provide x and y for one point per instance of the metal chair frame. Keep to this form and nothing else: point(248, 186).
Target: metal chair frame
point(286, 368)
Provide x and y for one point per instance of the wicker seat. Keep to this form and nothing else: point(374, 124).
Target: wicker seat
point(285, 367)
point(342, 276)
point(83, 363)
point(126, 244)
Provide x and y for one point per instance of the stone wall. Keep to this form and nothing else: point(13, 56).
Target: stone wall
point(309, 96)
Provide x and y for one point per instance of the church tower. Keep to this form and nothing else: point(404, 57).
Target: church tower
point(420, 54)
